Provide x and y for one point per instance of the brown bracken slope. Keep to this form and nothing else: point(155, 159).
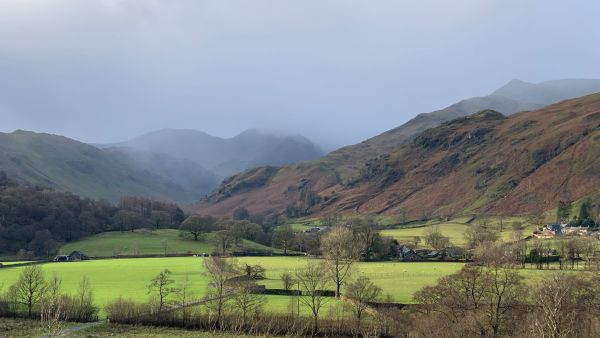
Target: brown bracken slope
point(481, 163)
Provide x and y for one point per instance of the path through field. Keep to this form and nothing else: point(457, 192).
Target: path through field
point(76, 328)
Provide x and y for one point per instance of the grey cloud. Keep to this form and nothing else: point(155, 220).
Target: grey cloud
point(335, 71)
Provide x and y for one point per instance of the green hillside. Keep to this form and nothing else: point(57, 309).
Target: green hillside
point(68, 165)
point(147, 242)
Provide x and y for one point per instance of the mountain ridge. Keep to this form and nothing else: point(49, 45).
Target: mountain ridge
point(299, 186)
point(225, 156)
point(65, 164)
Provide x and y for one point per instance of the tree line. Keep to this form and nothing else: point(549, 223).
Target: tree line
point(35, 221)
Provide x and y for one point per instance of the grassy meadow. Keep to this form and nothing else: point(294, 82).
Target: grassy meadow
point(455, 231)
point(456, 228)
point(146, 242)
point(112, 278)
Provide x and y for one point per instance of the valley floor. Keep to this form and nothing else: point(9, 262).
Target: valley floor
point(112, 278)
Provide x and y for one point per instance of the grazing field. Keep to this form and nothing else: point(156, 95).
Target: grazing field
point(455, 231)
point(112, 278)
point(300, 227)
point(146, 242)
point(398, 279)
point(456, 228)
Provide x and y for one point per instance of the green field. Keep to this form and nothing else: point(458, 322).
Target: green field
point(398, 279)
point(112, 278)
point(300, 227)
point(146, 242)
point(455, 231)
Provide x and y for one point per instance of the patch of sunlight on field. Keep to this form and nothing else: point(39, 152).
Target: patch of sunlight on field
point(455, 231)
point(146, 242)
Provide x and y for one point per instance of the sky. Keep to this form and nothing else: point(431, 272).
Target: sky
point(337, 72)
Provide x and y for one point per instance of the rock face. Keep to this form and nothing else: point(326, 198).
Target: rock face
point(484, 162)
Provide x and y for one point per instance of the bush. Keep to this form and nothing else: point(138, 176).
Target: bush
point(77, 310)
point(126, 311)
point(287, 281)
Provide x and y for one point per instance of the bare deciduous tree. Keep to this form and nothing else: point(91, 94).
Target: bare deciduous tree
point(30, 286)
point(287, 281)
point(360, 293)
point(246, 300)
point(435, 239)
point(223, 240)
point(183, 295)
point(475, 301)
point(53, 314)
point(197, 226)
point(313, 280)
point(283, 237)
point(219, 290)
point(340, 252)
point(565, 305)
point(161, 286)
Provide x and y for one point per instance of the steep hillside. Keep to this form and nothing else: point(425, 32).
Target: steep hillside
point(68, 165)
point(225, 157)
point(484, 162)
point(515, 96)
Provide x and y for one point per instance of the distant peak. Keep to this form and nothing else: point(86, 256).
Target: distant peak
point(511, 86)
point(22, 131)
point(517, 82)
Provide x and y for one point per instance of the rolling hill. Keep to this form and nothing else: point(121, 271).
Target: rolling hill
point(485, 162)
point(150, 242)
point(68, 165)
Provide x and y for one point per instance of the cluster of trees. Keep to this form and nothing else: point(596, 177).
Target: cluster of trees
point(34, 295)
point(567, 252)
point(35, 221)
point(588, 214)
point(140, 212)
point(491, 299)
point(225, 233)
point(363, 233)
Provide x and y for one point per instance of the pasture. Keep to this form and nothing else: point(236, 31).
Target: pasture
point(456, 228)
point(111, 278)
point(455, 231)
point(147, 242)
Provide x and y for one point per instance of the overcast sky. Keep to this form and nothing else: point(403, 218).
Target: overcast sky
point(335, 71)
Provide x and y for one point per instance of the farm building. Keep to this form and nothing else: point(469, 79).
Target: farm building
point(62, 258)
point(552, 230)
